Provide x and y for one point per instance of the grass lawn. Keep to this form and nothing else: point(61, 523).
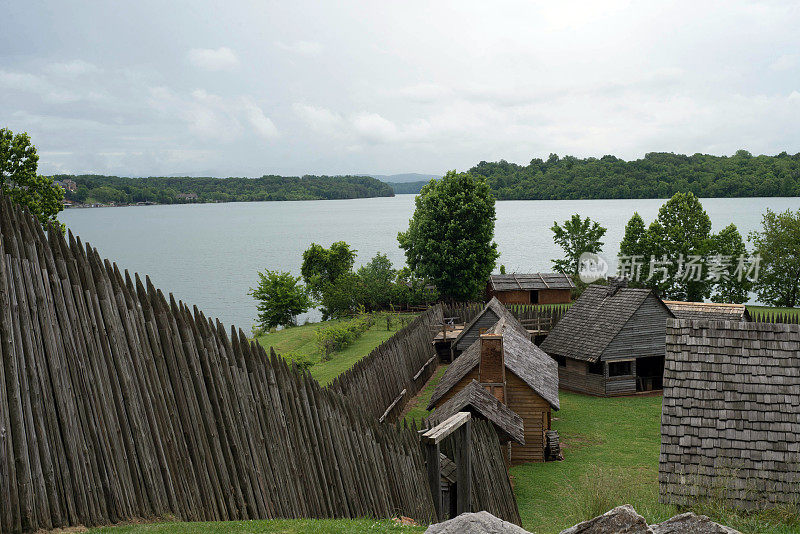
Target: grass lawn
point(301, 341)
point(611, 449)
point(415, 409)
point(282, 526)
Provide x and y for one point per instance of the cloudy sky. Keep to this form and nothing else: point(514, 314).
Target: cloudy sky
point(295, 87)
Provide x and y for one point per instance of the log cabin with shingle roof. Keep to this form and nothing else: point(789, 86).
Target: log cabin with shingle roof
point(712, 311)
point(729, 419)
point(611, 341)
point(534, 288)
point(517, 373)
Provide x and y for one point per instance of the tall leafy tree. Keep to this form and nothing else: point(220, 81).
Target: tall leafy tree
point(20, 181)
point(681, 234)
point(576, 237)
point(729, 250)
point(377, 282)
point(778, 244)
point(281, 298)
point(670, 255)
point(323, 266)
point(449, 240)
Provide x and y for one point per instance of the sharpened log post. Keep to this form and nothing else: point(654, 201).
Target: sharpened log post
point(434, 477)
point(462, 450)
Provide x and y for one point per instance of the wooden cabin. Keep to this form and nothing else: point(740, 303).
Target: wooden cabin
point(611, 341)
point(506, 364)
point(536, 288)
point(713, 311)
point(487, 318)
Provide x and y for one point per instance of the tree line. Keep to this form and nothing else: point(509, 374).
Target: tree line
point(657, 175)
point(168, 190)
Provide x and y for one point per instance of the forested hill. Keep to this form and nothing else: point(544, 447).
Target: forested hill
point(657, 175)
point(169, 190)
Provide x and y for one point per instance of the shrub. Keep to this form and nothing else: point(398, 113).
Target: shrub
point(303, 362)
point(335, 337)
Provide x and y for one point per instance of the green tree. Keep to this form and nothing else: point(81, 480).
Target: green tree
point(377, 280)
point(778, 245)
point(576, 237)
point(681, 235)
point(281, 298)
point(20, 182)
point(729, 250)
point(449, 238)
point(340, 297)
point(323, 266)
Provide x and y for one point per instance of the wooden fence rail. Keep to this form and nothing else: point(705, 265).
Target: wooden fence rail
point(118, 402)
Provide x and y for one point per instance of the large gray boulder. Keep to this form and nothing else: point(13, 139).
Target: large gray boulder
point(475, 523)
point(690, 523)
point(620, 520)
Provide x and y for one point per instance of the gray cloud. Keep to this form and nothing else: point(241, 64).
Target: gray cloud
point(149, 88)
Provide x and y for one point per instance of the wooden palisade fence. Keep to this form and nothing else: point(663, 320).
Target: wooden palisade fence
point(117, 402)
point(542, 317)
point(775, 317)
point(383, 381)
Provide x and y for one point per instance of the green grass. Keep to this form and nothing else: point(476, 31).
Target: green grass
point(282, 526)
point(611, 449)
point(301, 341)
point(415, 409)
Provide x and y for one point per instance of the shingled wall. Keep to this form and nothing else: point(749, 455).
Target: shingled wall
point(730, 422)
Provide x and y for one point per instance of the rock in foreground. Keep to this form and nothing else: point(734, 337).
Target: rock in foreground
point(475, 523)
point(620, 520)
point(690, 523)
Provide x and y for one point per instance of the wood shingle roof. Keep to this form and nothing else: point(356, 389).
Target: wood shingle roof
point(730, 413)
point(708, 310)
point(528, 282)
point(593, 322)
point(498, 310)
point(522, 357)
point(474, 398)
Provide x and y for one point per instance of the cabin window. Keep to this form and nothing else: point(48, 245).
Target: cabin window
point(562, 361)
point(619, 369)
point(596, 368)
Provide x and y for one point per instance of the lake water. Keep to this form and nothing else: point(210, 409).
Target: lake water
point(208, 254)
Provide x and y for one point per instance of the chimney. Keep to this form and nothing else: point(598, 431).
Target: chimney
point(492, 369)
point(615, 284)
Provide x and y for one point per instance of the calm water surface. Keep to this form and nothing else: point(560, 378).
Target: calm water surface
point(208, 254)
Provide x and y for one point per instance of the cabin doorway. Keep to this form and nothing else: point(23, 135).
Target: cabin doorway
point(650, 373)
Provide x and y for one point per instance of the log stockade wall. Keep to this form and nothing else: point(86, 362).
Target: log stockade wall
point(775, 317)
point(491, 489)
point(386, 379)
point(532, 316)
point(119, 403)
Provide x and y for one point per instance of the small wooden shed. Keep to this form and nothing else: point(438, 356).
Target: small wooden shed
point(713, 311)
point(535, 288)
point(506, 364)
point(611, 341)
point(487, 318)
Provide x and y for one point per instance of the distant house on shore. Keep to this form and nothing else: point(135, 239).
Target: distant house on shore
point(507, 366)
point(611, 341)
point(67, 185)
point(536, 288)
point(186, 196)
point(708, 310)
